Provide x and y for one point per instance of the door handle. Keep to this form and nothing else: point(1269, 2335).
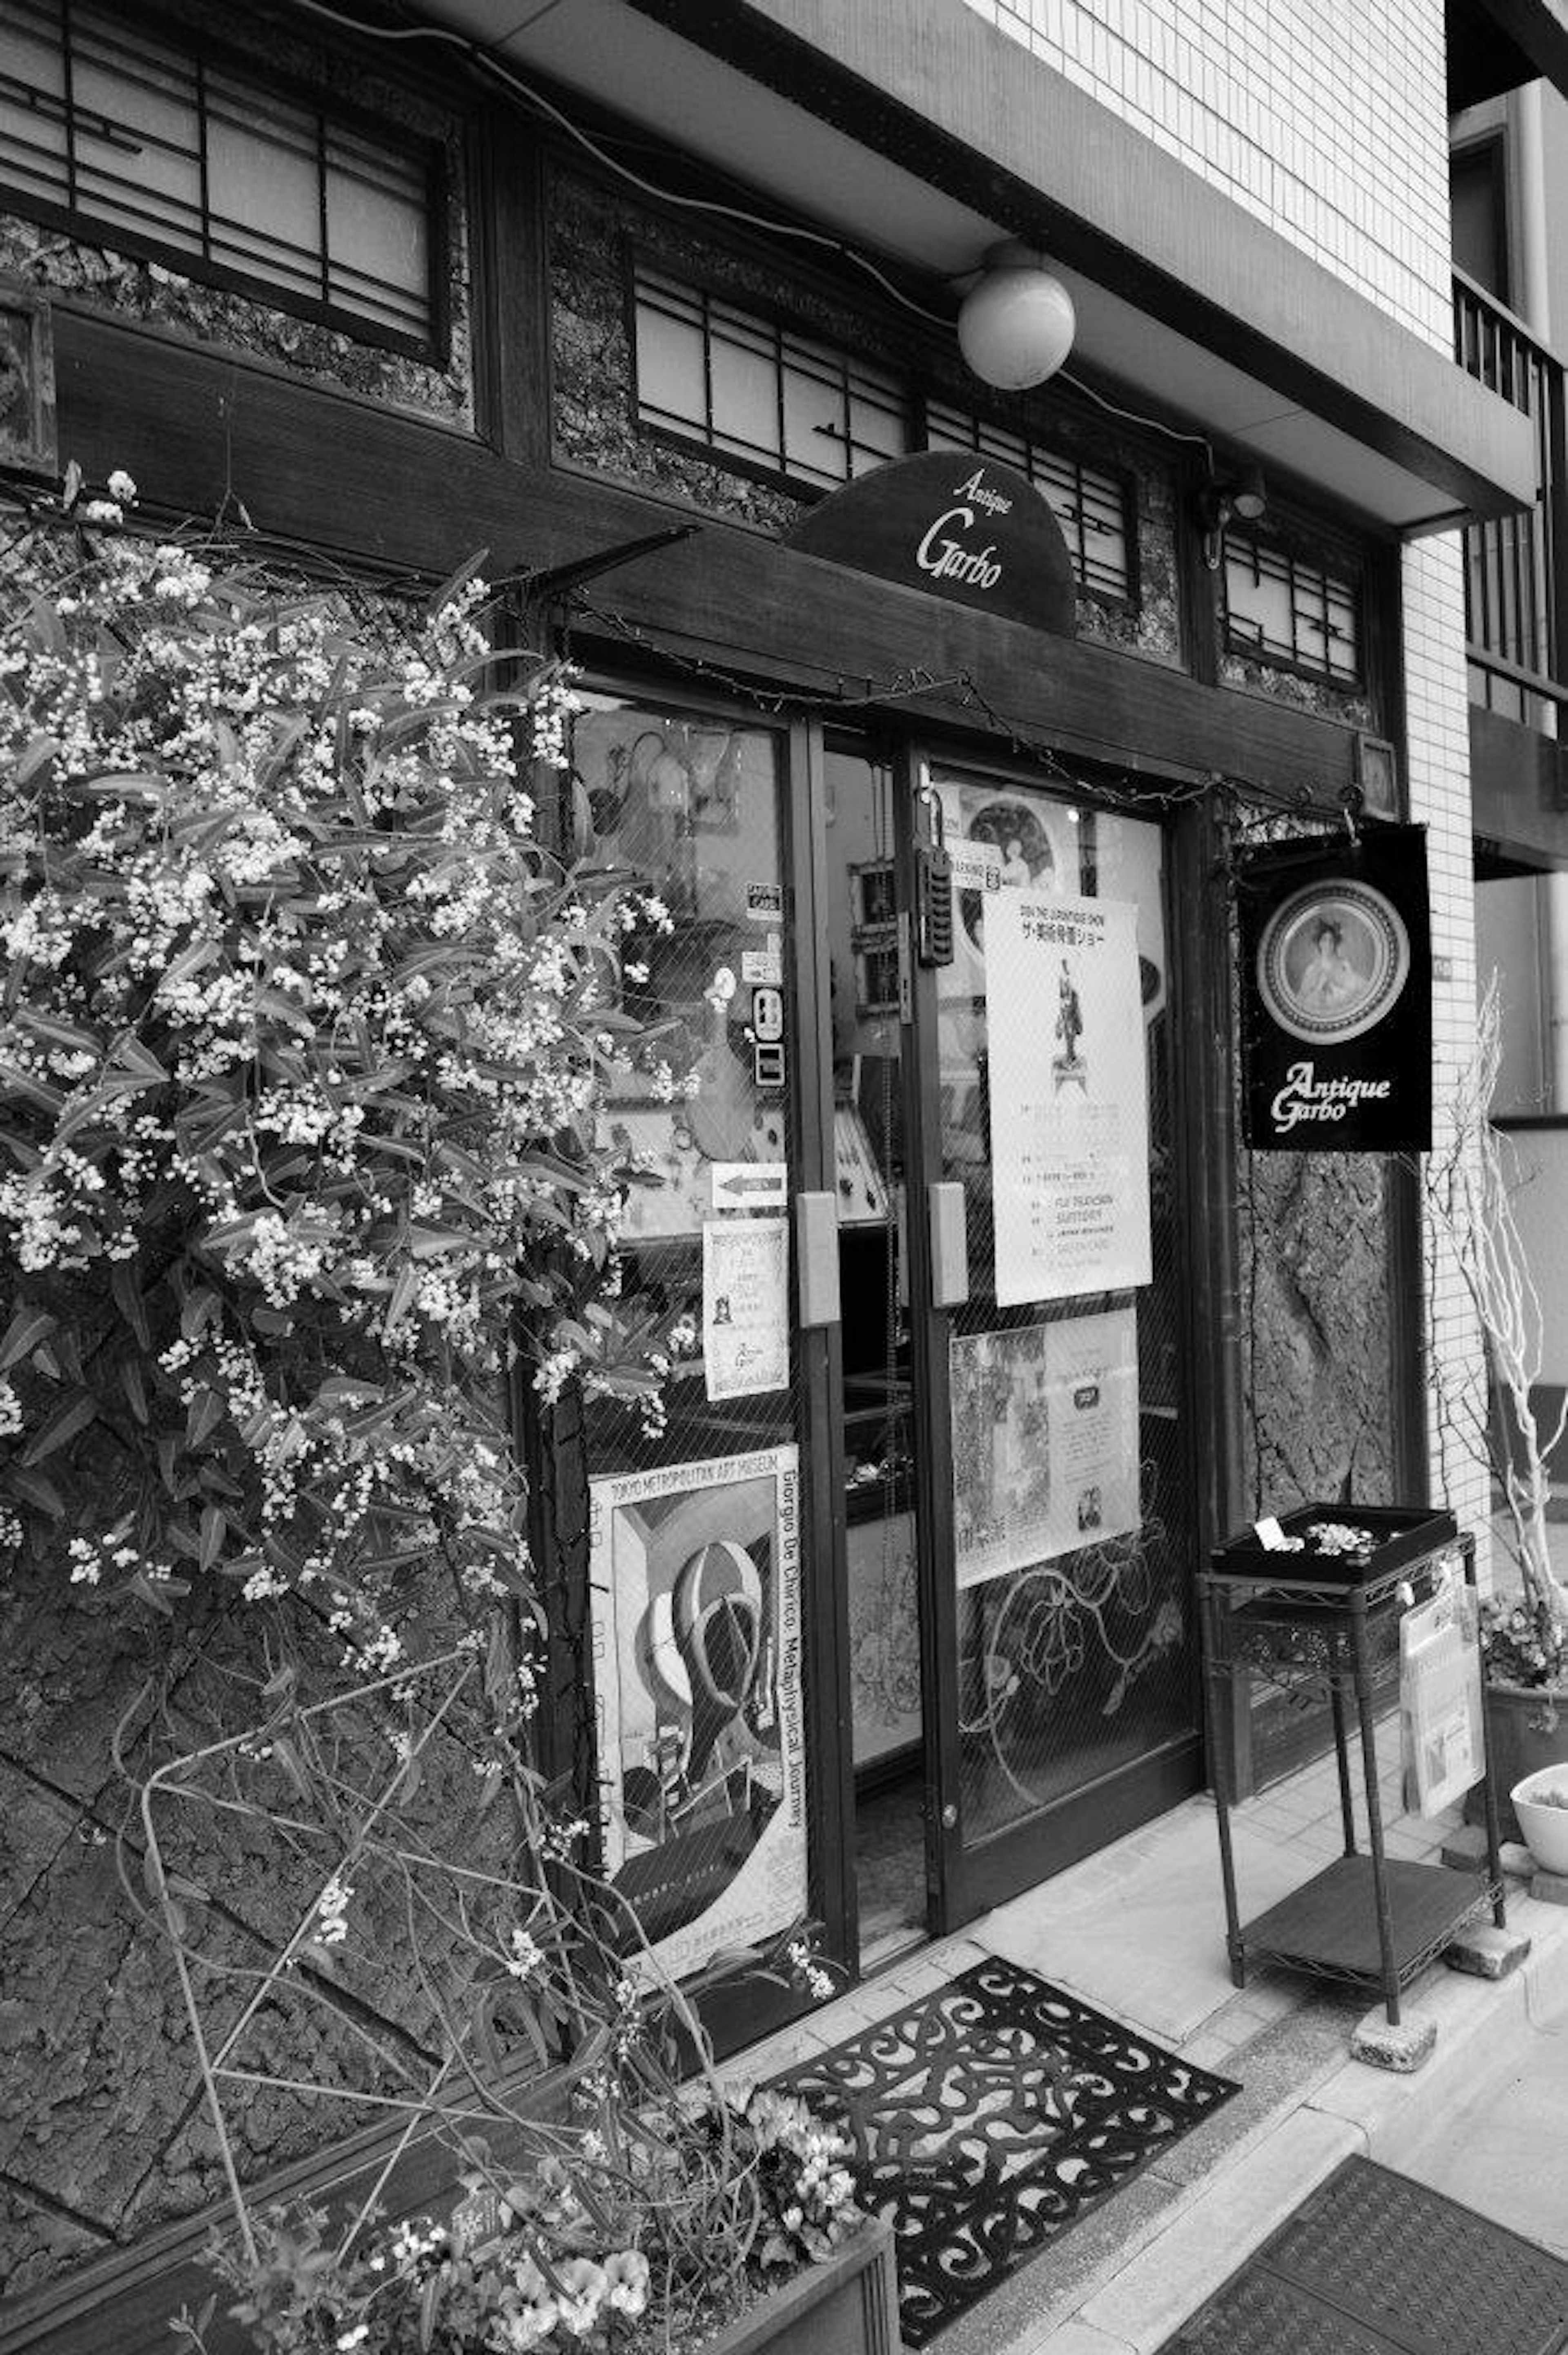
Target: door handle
point(817, 1259)
point(949, 1246)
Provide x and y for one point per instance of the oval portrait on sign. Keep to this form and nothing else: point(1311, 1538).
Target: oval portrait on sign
point(1332, 960)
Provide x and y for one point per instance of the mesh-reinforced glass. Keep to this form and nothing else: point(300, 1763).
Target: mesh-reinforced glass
point(695, 1596)
point(1071, 1492)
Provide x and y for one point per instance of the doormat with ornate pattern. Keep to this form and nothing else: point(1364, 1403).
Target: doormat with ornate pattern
point(1371, 2263)
point(988, 2118)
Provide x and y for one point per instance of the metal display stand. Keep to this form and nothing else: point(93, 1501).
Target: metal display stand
point(1367, 1918)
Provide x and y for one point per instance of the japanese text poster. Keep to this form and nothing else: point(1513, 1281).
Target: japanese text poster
point(1069, 1109)
point(745, 1306)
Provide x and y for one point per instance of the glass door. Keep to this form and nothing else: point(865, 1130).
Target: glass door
point(867, 941)
point(1057, 1492)
point(688, 1665)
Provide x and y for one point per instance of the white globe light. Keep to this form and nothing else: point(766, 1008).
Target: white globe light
point(1017, 322)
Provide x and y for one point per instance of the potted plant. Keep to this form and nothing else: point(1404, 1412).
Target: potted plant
point(1541, 1802)
point(743, 2236)
point(303, 1049)
point(1524, 1630)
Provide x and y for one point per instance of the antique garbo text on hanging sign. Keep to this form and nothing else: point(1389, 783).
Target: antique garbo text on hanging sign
point(1336, 993)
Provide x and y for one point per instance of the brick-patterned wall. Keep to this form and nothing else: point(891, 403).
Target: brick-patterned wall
point(1439, 753)
point(1325, 118)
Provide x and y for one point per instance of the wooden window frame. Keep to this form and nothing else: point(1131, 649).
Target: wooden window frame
point(420, 148)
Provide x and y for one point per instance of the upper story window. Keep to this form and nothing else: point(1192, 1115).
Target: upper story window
point(754, 392)
point(146, 142)
point(1287, 608)
point(1089, 503)
point(739, 383)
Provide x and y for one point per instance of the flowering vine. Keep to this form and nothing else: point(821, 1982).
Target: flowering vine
point(300, 1049)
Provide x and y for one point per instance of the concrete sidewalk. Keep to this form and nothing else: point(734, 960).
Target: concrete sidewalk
point(1139, 1932)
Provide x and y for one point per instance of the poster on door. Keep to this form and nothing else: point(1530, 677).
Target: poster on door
point(1069, 1099)
point(745, 1306)
point(1045, 1440)
point(694, 1593)
point(999, 841)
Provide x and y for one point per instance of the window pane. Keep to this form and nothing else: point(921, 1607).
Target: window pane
point(148, 176)
point(1288, 609)
point(814, 443)
point(1090, 505)
point(746, 401)
point(378, 236)
point(142, 136)
point(32, 115)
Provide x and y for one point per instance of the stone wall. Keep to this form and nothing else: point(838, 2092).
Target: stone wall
point(104, 2131)
point(1317, 1276)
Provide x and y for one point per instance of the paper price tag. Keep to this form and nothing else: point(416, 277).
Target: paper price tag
point(1269, 1534)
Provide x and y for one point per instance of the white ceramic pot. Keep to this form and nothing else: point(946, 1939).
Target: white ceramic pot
point(1545, 1828)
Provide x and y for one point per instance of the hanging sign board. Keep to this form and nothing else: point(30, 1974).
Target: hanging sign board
point(1336, 993)
point(957, 526)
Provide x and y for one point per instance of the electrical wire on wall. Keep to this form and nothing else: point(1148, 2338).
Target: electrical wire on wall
point(485, 58)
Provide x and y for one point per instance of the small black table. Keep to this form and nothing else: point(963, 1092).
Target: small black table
point(1369, 1920)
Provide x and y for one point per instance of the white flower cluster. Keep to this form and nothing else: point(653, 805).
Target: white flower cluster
point(554, 708)
point(819, 1982)
point(287, 984)
point(332, 1911)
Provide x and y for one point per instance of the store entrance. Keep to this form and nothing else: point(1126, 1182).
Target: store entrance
point(1017, 1467)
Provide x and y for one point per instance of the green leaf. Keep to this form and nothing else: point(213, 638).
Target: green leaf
point(205, 1412)
point(430, 1242)
point(200, 955)
point(40, 752)
point(46, 629)
point(57, 1033)
point(35, 1490)
point(28, 1327)
point(402, 1300)
point(128, 1299)
point(213, 1529)
point(457, 581)
point(198, 1309)
point(62, 1427)
point(134, 1388)
point(132, 1054)
point(429, 2307)
point(88, 1109)
point(36, 1091)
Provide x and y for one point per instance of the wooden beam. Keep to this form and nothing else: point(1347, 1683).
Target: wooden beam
point(201, 430)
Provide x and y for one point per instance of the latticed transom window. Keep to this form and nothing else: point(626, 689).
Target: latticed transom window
point(753, 391)
point(147, 143)
point(1289, 608)
point(1089, 503)
point(742, 384)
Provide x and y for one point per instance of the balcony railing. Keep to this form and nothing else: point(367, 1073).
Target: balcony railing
point(1516, 605)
